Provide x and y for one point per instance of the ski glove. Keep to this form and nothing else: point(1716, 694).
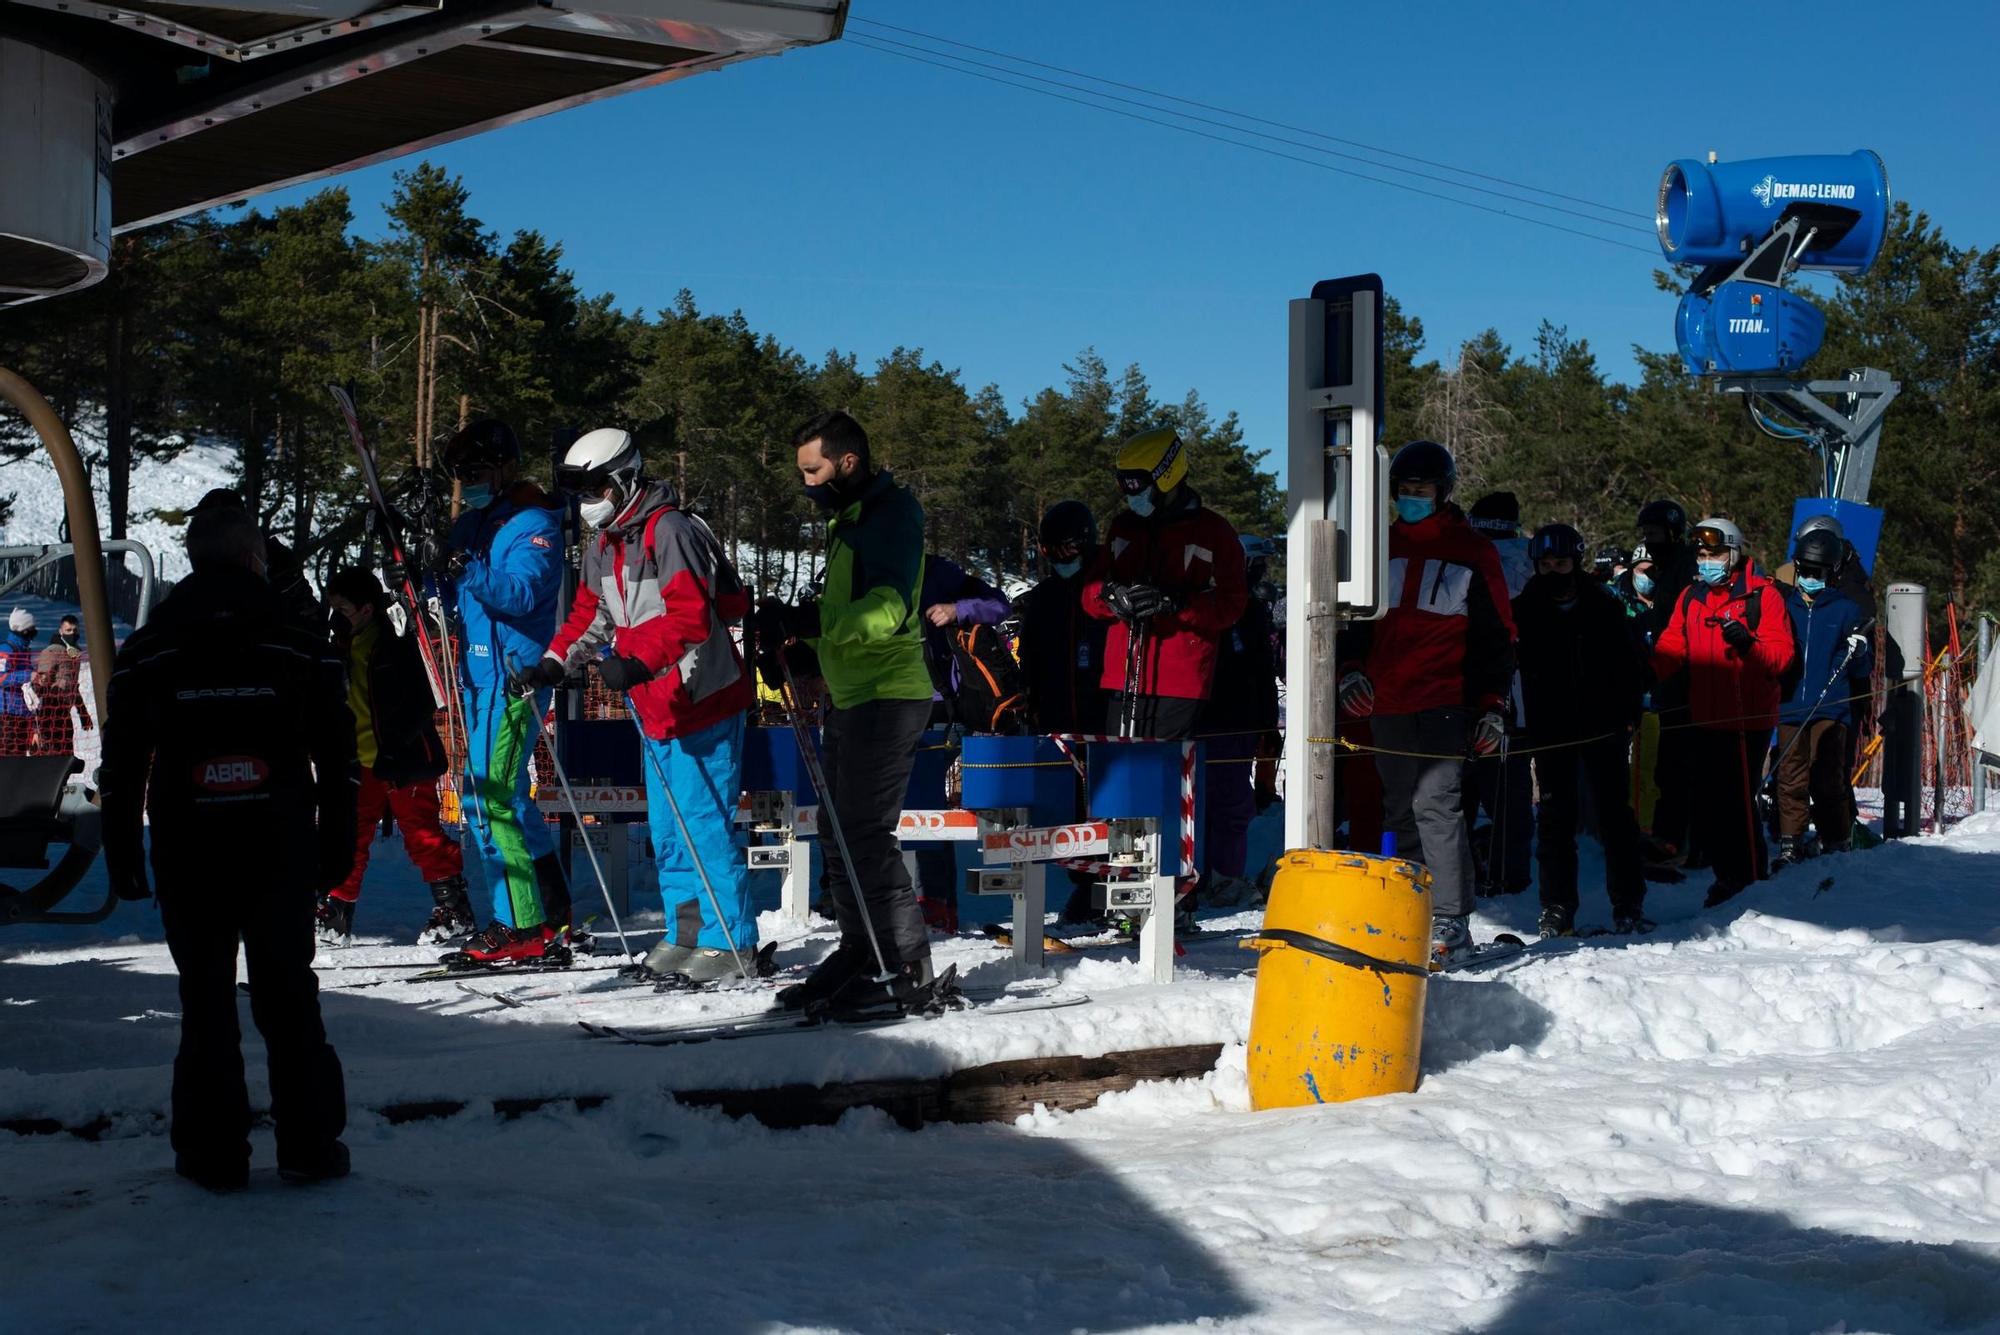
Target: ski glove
point(1489, 735)
point(622, 674)
point(454, 566)
point(1136, 602)
point(546, 673)
point(1737, 635)
point(1357, 694)
point(1856, 642)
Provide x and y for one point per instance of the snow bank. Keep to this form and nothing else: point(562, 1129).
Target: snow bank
point(172, 485)
point(1774, 1118)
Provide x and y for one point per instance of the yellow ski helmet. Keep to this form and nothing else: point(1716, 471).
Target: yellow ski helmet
point(1155, 458)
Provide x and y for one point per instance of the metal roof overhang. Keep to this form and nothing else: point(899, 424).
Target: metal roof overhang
point(219, 102)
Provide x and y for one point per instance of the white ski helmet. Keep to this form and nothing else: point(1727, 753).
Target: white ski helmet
point(606, 455)
point(1719, 532)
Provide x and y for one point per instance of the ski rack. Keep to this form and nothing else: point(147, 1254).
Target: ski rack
point(1127, 850)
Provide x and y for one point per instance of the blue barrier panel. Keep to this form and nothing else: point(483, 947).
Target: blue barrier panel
point(1026, 772)
point(1129, 780)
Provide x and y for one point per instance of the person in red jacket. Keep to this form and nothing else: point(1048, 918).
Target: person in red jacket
point(1730, 633)
point(657, 586)
point(1433, 677)
point(1170, 577)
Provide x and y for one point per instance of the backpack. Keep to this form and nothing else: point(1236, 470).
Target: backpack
point(991, 695)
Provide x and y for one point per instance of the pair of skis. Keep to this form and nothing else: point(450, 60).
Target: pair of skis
point(766, 1023)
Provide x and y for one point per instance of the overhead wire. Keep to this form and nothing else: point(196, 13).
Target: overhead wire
point(1276, 139)
point(1619, 210)
point(871, 44)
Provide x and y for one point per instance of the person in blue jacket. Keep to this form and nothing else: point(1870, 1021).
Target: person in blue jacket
point(1836, 659)
point(504, 575)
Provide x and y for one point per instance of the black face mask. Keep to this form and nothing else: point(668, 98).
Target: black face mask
point(69, 640)
point(835, 495)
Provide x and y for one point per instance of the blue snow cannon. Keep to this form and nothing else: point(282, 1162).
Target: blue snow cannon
point(1747, 328)
point(1718, 212)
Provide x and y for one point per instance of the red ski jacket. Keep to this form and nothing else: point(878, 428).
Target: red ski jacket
point(659, 588)
point(1191, 553)
point(1448, 637)
point(1728, 688)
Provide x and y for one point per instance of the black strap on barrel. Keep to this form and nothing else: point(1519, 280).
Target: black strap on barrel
point(1326, 950)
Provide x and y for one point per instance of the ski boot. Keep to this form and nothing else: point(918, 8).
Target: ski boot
point(323, 1164)
point(1720, 893)
point(220, 1177)
point(1632, 924)
point(1451, 942)
point(504, 947)
point(452, 919)
point(939, 915)
point(703, 967)
point(663, 964)
point(1556, 922)
point(848, 960)
point(910, 989)
point(336, 921)
point(1787, 854)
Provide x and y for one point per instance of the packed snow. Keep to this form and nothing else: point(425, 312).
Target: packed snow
point(1773, 1117)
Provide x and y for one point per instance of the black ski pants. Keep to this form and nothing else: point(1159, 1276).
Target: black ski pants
point(1603, 768)
point(1501, 784)
point(1674, 773)
point(870, 750)
point(1163, 718)
point(1729, 762)
point(204, 923)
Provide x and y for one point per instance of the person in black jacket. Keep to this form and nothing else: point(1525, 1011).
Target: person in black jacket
point(1582, 681)
point(1238, 725)
point(1062, 651)
point(230, 729)
point(1663, 532)
point(396, 739)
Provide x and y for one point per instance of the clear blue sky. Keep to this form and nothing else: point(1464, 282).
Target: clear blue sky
point(841, 197)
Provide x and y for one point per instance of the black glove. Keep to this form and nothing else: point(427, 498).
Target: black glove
point(396, 575)
point(1737, 635)
point(1115, 599)
point(545, 673)
point(622, 674)
point(1489, 735)
point(802, 622)
point(1147, 601)
point(129, 882)
point(453, 565)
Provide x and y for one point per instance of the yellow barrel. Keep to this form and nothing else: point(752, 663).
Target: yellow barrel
point(1339, 1012)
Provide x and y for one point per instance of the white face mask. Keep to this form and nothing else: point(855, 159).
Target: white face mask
point(598, 513)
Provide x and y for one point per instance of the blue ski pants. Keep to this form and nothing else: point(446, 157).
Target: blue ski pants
point(704, 770)
point(506, 824)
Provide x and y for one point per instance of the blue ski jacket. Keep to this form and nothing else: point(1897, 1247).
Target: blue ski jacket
point(17, 664)
point(1821, 628)
point(506, 599)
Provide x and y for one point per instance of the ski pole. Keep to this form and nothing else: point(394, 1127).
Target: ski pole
point(1135, 664)
point(809, 756)
point(721, 919)
point(576, 814)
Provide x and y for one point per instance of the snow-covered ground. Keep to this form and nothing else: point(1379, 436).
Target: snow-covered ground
point(170, 487)
point(1776, 1117)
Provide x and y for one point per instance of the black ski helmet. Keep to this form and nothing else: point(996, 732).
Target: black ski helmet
point(1668, 516)
point(486, 443)
point(1068, 522)
point(1556, 540)
point(1424, 461)
point(1822, 548)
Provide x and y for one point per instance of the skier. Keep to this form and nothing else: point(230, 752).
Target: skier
point(1836, 658)
point(657, 588)
point(229, 729)
point(1729, 634)
point(953, 598)
point(401, 755)
point(1663, 531)
point(1433, 676)
point(286, 572)
point(867, 629)
point(1062, 652)
point(503, 573)
point(1582, 677)
point(57, 681)
point(17, 691)
point(1171, 579)
point(1503, 785)
point(1239, 723)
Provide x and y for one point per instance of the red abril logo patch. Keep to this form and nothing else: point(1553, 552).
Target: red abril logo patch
point(231, 774)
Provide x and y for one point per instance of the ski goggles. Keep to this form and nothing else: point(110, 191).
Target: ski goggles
point(1710, 539)
point(1066, 550)
point(1811, 570)
point(584, 481)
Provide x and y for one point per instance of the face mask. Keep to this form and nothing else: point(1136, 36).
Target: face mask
point(598, 513)
point(1807, 584)
point(473, 495)
point(1067, 569)
point(68, 641)
point(825, 495)
point(1415, 509)
point(1142, 504)
point(1642, 585)
point(1712, 572)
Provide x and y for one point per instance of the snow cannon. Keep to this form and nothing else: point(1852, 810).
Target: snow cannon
point(1751, 225)
point(1339, 1009)
point(1718, 212)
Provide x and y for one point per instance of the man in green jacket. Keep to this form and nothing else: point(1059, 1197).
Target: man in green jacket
point(868, 632)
